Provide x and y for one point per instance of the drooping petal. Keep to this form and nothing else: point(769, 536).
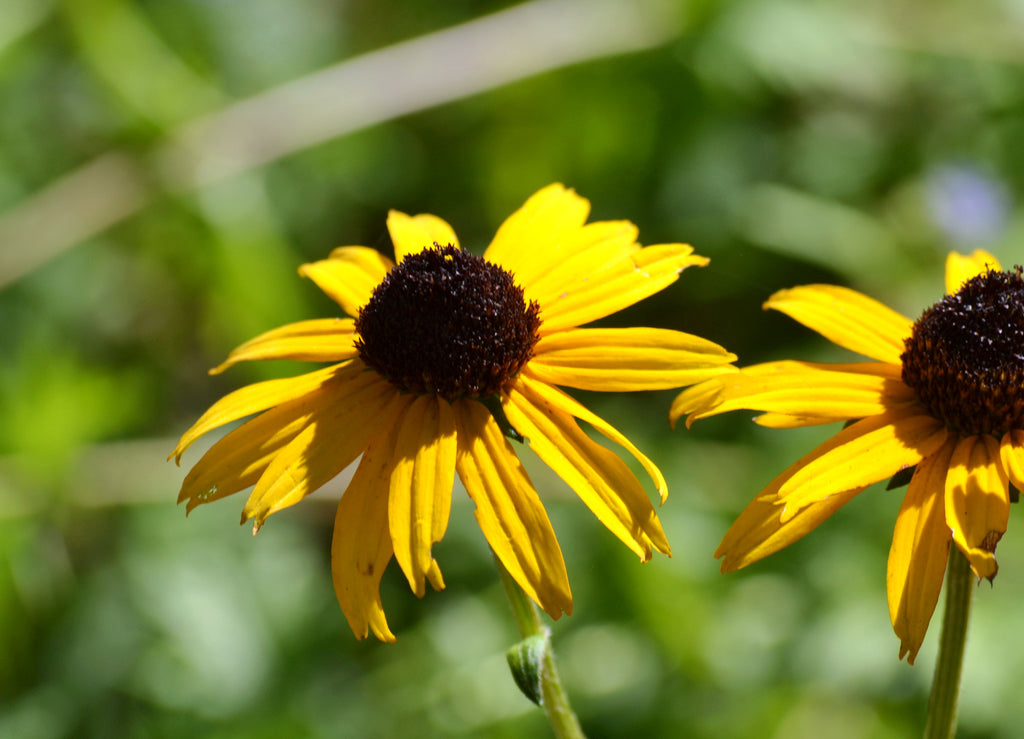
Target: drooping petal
point(533, 233)
point(554, 397)
point(1011, 452)
point(319, 340)
point(760, 531)
point(420, 493)
point(626, 359)
point(919, 551)
point(338, 432)
point(361, 545)
point(847, 318)
point(509, 511)
point(821, 391)
point(236, 461)
point(604, 483)
point(870, 450)
point(349, 275)
point(961, 267)
point(261, 396)
point(413, 234)
point(628, 281)
point(977, 501)
point(579, 254)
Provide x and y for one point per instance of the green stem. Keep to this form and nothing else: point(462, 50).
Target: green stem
point(942, 705)
point(553, 695)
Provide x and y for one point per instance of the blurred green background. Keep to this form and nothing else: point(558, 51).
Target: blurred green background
point(151, 219)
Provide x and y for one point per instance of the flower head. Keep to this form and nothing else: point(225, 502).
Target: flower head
point(944, 397)
point(444, 358)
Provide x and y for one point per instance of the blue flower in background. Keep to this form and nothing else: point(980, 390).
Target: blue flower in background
point(968, 205)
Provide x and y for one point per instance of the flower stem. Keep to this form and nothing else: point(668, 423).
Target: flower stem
point(941, 722)
point(552, 695)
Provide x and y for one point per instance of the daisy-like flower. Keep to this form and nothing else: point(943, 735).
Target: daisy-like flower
point(944, 398)
point(445, 358)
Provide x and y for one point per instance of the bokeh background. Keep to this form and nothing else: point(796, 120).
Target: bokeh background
point(166, 165)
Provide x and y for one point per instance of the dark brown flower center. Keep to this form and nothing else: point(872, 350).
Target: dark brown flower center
point(965, 357)
point(447, 322)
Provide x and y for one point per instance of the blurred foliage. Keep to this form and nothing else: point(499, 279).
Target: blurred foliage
point(791, 141)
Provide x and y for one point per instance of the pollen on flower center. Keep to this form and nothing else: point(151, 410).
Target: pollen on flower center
point(447, 322)
point(965, 357)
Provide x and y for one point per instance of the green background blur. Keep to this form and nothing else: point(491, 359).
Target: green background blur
point(791, 142)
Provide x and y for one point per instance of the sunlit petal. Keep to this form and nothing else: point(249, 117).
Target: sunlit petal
point(349, 275)
point(577, 256)
point(625, 359)
point(420, 494)
point(801, 389)
point(919, 551)
point(413, 234)
point(847, 318)
point(531, 237)
point(977, 501)
point(319, 340)
point(870, 450)
point(599, 477)
point(361, 546)
point(962, 267)
point(628, 281)
point(509, 511)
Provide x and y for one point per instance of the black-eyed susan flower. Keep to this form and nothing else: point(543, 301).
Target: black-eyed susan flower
point(944, 397)
point(444, 358)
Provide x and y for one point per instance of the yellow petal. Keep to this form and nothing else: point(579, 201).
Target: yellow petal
point(961, 267)
point(847, 318)
point(786, 421)
point(260, 396)
point(599, 477)
point(530, 238)
point(625, 359)
point(919, 551)
point(509, 511)
point(870, 450)
point(361, 546)
point(420, 493)
point(802, 389)
point(627, 281)
point(565, 403)
point(319, 340)
point(1011, 452)
point(698, 401)
point(237, 460)
point(413, 234)
point(338, 432)
point(577, 255)
point(349, 275)
point(977, 501)
point(760, 531)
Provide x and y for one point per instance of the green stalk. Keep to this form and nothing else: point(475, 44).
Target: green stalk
point(942, 705)
point(551, 694)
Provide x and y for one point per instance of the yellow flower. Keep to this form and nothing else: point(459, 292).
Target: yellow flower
point(945, 397)
point(449, 356)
